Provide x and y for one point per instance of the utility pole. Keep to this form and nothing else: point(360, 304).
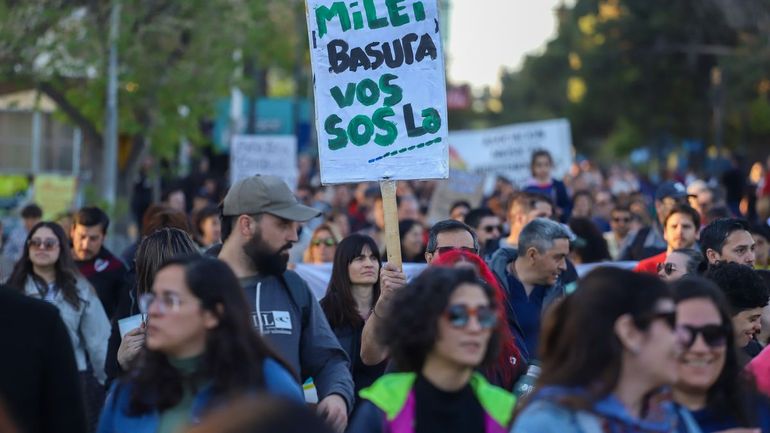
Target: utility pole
point(299, 60)
point(110, 155)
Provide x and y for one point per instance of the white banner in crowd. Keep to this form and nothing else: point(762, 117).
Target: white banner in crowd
point(318, 276)
point(380, 92)
point(264, 154)
point(507, 150)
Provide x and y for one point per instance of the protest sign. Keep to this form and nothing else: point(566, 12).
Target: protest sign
point(461, 185)
point(380, 92)
point(55, 193)
point(264, 154)
point(507, 150)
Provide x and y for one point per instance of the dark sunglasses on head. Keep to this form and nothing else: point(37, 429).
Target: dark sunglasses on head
point(45, 244)
point(667, 316)
point(442, 250)
point(329, 242)
point(667, 268)
point(459, 315)
point(490, 229)
point(713, 335)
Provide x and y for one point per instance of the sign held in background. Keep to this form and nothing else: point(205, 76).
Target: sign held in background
point(55, 194)
point(264, 154)
point(507, 150)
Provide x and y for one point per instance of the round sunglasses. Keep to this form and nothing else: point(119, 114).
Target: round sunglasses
point(43, 244)
point(667, 268)
point(459, 315)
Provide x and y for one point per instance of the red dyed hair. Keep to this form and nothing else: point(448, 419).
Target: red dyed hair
point(510, 363)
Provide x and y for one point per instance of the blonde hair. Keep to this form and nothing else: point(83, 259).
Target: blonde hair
point(307, 256)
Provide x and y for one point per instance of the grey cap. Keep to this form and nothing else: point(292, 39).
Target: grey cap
point(265, 194)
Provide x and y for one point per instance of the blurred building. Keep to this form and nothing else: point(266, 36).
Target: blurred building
point(33, 139)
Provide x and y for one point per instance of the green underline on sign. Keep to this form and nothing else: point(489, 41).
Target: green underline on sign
point(406, 149)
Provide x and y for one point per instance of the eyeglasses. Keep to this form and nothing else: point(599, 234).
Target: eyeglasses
point(714, 335)
point(667, 268)
point(169, 302)
point(443, 250)
point(621, 220)
point(329, 242)
point(667, 316)
point(43, 244)
point(490, 229)
point(459, 315)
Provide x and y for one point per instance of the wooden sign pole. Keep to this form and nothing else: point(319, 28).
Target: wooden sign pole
point(392, 238)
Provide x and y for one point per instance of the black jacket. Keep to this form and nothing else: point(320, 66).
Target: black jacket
point(39, 382)
point(107, 274)
point(127, 307)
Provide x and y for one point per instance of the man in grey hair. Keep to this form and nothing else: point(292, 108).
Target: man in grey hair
point(532, 279)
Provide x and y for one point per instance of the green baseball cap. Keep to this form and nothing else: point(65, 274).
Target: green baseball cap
point(265, 194)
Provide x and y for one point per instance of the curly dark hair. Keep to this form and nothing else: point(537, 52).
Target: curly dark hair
point(410, 329)
point(234, 352)
point(742, 286)
point(66, 272)
point(733, 391)
point(509, 352)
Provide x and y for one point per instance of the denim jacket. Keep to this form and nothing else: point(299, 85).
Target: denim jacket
point(545, 415)
point(115, 417)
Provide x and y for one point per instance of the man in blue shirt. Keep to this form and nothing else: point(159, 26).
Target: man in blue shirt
point(531, 278)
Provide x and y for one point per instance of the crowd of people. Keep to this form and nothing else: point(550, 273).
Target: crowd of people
point(573, 305)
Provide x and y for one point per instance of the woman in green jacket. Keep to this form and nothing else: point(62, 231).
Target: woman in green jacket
point(439, 330)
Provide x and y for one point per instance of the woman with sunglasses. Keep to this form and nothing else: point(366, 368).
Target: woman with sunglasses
point(323, 243)
point(201, 352)
point(353, 290)
point(46, 271)
point(711, 383)
point(606, 351)
point(510, 363)
point(681, 262)
point(439, 330)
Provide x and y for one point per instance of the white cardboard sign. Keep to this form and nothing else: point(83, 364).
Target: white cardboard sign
point(380, 91)
point(264, 154)
point(507, 150)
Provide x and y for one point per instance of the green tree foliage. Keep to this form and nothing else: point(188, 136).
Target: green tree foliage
point(177, 57)
point(629, 73)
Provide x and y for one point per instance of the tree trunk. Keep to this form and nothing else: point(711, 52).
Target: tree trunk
point(89, 129)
